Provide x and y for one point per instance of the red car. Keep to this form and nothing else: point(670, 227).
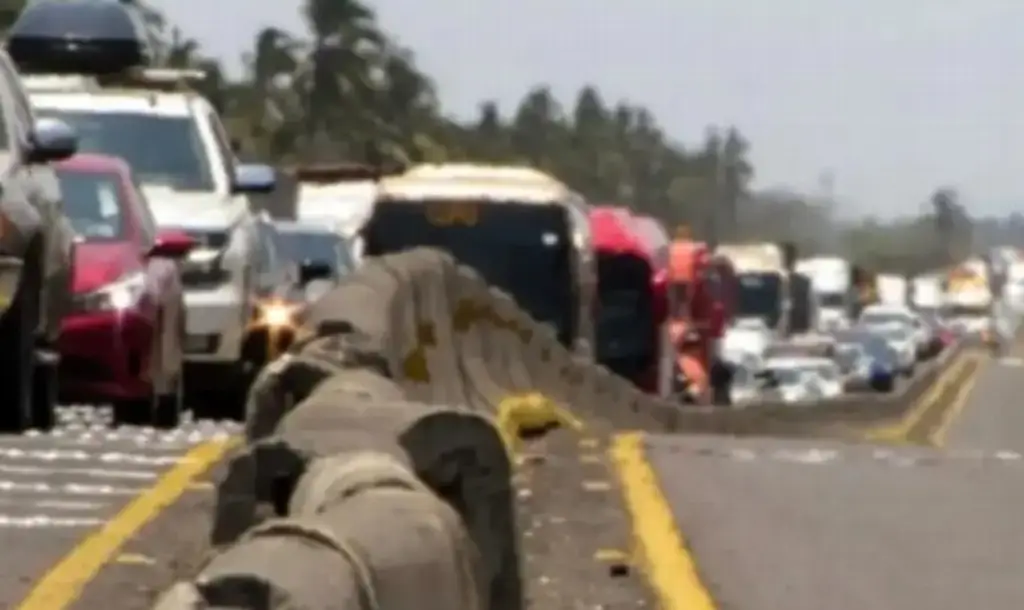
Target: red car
point(122, 343)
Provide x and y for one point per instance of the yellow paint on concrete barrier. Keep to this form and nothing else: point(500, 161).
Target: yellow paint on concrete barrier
point(520, 414)
point(660, 547)
point(62, 585)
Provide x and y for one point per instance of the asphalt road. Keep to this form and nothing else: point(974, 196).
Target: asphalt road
point(58, 487)
point(807, 525)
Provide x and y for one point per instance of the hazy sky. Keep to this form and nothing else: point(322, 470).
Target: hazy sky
point(891, 96)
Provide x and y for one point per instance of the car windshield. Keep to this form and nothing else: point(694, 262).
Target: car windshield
point(162, 150)
point(524, 249)
point(847, 356)
point(92, 204)
point(760, 296)
point(826, 371)
point(892, 334)
point(876, 347)
point(316, 246)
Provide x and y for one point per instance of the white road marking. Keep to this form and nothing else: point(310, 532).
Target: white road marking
point(95, 473)
point(897, 458)
point(80, 455)
point(46, 521)
point(61, 505)
point(78, 489)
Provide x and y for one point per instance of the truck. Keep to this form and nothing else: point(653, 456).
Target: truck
point(832, 288)
point(968, 297)
point(892, 289)
point(927, 293)
point(762, 283)
point(632, 333)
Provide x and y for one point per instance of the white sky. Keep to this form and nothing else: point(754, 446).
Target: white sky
point(893, 97)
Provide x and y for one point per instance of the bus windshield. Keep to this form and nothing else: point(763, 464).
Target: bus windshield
point(759, 295)
point(522, 249)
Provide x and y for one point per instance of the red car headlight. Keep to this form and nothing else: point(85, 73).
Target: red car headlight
point(118, 296)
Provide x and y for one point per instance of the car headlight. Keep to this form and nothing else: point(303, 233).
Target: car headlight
point(118, 296)
point(277, 314)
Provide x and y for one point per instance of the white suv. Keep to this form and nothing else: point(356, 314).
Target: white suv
point(186, 166)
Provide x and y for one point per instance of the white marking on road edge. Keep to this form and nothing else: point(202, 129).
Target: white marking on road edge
point(77, 455)
point(45, 521)
point(96, 473)
point(76, 489)
point(808, 456)
point(68, 505)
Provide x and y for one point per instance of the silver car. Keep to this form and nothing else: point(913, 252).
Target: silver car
point(36, 253)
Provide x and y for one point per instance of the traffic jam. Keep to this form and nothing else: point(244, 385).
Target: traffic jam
point(148, 278)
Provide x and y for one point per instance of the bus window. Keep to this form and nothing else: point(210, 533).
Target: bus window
point(525, 250)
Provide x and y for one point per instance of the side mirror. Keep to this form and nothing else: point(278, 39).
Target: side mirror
point(172, 244)
point(51, 140)
point(253, 179)
point(310, 271)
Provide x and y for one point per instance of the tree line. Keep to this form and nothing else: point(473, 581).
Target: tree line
point(322, 94)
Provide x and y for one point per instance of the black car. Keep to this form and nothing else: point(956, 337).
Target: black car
point(36, 243)
point(321, 256)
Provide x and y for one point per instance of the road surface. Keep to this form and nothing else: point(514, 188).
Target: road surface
point(807, 525)
point(59, 487)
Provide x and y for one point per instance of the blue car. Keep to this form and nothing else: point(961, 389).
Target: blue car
point(884, 366)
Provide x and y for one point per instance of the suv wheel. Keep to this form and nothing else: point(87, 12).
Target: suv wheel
point(17, 356)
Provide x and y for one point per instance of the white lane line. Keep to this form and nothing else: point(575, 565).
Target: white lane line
point(93, 473)
point(46, 521)
point(74, 489)
point(64, 505)
point(79, 455)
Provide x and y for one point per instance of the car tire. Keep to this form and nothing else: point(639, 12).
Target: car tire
point(17, 356)
point(168, 408)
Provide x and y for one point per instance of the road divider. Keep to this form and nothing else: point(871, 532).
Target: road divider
point(379, 452)
point(377, 465)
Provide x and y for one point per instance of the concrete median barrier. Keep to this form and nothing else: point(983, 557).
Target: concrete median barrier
point(378, 468)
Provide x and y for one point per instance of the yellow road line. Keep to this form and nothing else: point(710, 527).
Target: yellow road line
point(938, 436)
point(660, 546)
point(900, 429)
point(62, 585)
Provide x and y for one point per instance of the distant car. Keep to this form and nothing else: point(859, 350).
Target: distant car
point(746, 337)
point(889, 315)
point(884, 363)
point(903, 343)
point(322, 256)
point(36, 245)
point(800, 379)
point(123, 342)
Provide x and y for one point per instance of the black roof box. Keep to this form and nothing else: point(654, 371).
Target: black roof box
point(78, 37)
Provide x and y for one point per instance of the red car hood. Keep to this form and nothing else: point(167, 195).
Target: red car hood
point(100, 264)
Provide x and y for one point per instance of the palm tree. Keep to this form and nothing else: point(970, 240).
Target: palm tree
point(338, 72)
